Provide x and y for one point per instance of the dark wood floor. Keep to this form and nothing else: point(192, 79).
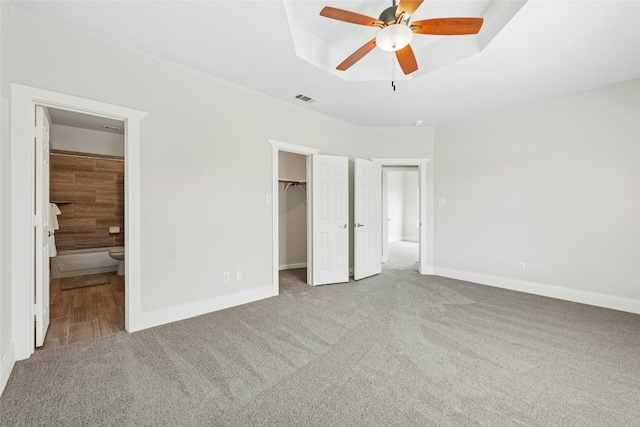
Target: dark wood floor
point(84, 313)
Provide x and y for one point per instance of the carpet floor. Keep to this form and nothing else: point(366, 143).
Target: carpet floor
point(394, 349)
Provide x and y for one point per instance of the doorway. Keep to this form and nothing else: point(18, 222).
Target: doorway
point(292, 212)
point(299, 166)
point(23, 105)
point(401, 225)
point(87, 206)
point(425, 209)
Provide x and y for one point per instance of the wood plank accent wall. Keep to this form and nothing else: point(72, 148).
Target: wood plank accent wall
point(89, 190)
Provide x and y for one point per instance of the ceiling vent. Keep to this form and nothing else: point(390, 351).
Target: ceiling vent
point(305, 98)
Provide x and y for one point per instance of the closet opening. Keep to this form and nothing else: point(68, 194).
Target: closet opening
point(292, 215)
point(291, 178)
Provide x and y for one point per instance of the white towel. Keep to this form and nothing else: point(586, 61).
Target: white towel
point(53, 251)
point(54, 211)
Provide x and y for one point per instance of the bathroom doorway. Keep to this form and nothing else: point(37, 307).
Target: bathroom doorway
point(87, 227)
point(28, 219)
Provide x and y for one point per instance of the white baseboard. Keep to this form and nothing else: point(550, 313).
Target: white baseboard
point(186, 311)
point(6, 366)
point(292, 266)
point(575, 295)
point(428, 271)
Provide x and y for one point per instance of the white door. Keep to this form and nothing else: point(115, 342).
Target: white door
point(330, 219)
point(41, 226)
point(367, 210)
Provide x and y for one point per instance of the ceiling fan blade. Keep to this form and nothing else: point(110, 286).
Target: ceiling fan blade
point(447, 26)
point(407, 59)
point(409, 6)
point(357, 55)
point(351, 17)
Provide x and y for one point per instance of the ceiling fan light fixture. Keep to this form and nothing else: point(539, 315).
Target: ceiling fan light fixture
point(394, 37)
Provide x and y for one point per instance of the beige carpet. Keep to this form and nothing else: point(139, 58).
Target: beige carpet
point(397, 349)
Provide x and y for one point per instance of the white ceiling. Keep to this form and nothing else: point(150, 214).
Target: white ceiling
point(327, 42)
point(85, 121)
point(550, 48)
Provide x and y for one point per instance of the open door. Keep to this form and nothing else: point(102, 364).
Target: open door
point(330, 219)
point(41, 226)
point(367, 219)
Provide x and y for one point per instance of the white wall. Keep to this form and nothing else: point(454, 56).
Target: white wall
point(7, 358)
point(395, 205)
point(292, 166)
point(70, 138)
point(402, 202)
point(400, 143)
point(410, 207)
point(205, 174)
point(292, 212)
point(554, 185)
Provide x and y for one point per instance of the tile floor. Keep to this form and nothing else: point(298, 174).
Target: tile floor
point(84, 313)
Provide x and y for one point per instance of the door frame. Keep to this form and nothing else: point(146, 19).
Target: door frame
point(277, 146)
point(425, 185)
point(23, 102)
point(385, 205)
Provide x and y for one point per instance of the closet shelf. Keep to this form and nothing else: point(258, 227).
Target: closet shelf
point(293, 181)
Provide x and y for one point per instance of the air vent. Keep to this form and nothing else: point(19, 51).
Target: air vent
point(305, 98)
point(112, 127)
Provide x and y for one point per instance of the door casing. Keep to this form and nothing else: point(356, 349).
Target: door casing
point(272, 198)
point(425, 185)
point(23, 102)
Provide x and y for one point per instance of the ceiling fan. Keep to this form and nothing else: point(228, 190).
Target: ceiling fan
point(396, 31)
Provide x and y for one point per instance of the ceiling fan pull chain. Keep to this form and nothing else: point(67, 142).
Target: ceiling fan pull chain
point(393, 73)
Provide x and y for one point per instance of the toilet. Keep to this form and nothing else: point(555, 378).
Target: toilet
point(118, 254)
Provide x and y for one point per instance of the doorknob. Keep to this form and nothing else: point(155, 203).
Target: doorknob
point(342, 226)
point(359, 225)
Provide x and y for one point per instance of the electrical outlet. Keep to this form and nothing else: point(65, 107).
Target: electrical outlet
point(238, 275)
point(521, 266)
point(226, 276)
point(442, 201)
